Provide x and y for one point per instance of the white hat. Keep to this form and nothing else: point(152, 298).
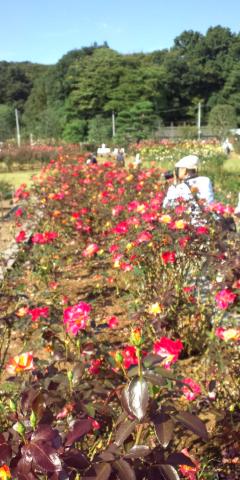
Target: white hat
point(190, 162)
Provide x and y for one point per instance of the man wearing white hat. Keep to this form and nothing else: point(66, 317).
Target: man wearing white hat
point(187, 182)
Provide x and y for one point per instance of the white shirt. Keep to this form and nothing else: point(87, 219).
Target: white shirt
point(138, 159)
point(202, 185)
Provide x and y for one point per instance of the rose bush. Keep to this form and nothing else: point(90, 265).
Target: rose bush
point(118, 314)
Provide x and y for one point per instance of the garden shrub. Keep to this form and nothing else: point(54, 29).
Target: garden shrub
point(124, 319)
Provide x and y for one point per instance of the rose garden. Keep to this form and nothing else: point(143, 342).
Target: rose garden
point(119, 321)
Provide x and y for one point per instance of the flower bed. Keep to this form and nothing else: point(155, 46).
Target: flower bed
point(166, 153)
point(122, 320)
point(169, 152)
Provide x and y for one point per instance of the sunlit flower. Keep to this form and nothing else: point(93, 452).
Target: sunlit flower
point(168, 349)
point(136, 337)
point(141, 208)
point(95, 366)
point(129, 356)
point(126, 267)
point(117, 210)
point(112, 322)
point(19, 212)
point(38, 312)
point(90, 250)
point(21, 312)
point(237, 284)
point(121, 228)
point(20, 363)
point(76, 317)
point(228, 334)
point(155, 308)
point(21, 192)
point(144, 237)
point(21, 236)
point(43, 238)
point(95, 424)
point(179, 209)
point(67, 409)
point(168, 257)
point(165, 219)
point(5, 473)
point(113, 248)
point(224, 298)
point(202, 230)
point(192, 392)
point(53, 285)
point(129, 246)
point(183, 241)
point(189, 472)
point(116, 260)
point(178, 225)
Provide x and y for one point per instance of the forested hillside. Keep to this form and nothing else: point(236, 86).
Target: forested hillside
point(74, 99)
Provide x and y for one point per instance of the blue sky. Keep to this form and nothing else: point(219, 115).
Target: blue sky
point(44, 30)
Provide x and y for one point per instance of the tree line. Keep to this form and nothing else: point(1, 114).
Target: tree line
point(73, 100)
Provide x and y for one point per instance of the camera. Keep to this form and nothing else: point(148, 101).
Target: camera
point(168, 175)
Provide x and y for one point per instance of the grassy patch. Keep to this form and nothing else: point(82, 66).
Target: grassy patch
point(232, 164)
point(17, 178)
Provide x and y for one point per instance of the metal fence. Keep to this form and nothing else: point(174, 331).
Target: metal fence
point(183, 131)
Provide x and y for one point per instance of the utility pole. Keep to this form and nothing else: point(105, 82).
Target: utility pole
point(17, 128)
point(113, 125)
point(199, 120)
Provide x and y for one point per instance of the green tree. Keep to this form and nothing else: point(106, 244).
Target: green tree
point(230, 92)
point(75, 131)
point(7, 123)
point(92, 79)
point(99, 130)
point(15, 86)
point(97, 80)
point(138, 122)
point(221, 119)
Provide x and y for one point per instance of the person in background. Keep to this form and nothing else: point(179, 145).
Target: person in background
point(237, 209)
point(120, 158)
point(227, 146)
point(91, 160)
point(137, 160)
point(187, 183)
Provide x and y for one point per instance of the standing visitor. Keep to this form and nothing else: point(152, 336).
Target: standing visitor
point(227, 146)
point(137, 160)
point(120, 158)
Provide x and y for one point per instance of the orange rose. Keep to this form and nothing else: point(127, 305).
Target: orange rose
point(20, 363)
